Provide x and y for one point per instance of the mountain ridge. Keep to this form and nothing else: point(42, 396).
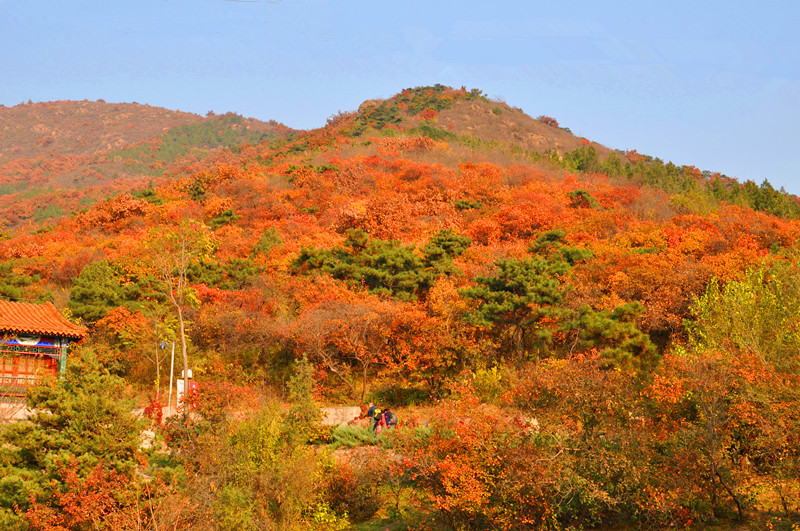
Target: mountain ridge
point(66, 155)
point(81, 127)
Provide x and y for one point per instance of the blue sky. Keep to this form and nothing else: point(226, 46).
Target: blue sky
point(708, 83)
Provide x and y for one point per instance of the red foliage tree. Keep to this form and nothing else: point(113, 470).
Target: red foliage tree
point(548, 120)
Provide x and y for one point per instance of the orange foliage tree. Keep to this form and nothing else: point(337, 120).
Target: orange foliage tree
point(345, 335)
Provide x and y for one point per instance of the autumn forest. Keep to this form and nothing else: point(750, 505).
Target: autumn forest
point(573, 336)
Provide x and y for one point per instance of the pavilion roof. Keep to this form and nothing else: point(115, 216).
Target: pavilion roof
point(37, 320)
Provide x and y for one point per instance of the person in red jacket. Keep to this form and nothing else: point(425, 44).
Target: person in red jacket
point(389, 418)
point(381, 422)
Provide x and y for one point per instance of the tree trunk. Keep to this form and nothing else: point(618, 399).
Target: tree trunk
point(518, 331)
point(732, 494)
point(158, 375)
point(332, 367)
point(183, 352)
point(364, 367)
point(183, 344)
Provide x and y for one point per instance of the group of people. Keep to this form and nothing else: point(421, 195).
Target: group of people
point(378, 420)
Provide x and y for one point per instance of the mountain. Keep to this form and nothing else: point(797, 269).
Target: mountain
point(81, 127)
point(63, 156)
point(480, 124)
point(472, 114)
point(572, 336)
point(401, 169)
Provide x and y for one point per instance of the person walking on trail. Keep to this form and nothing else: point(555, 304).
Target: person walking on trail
point(381, 422)
point(372, 415)
point(390, 418)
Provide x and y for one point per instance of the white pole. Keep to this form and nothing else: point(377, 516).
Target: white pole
point(171, 371)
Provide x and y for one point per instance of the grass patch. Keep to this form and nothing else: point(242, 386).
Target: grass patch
point(353, 436)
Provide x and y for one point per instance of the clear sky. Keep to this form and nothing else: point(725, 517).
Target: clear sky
point(709, 83)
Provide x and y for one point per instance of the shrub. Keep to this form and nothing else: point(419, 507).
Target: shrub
point(352, 436)
point(547, 120)
point(354, 486)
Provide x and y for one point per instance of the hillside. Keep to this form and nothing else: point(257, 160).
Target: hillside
point(472, 114)
point(59, 157)
point(572, 335)
point(81, 127)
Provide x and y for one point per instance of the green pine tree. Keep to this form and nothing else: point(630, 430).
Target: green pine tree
point(383, 267)
point(518, 299)
point(442, 248)
point(96, 291)
point(81, 419)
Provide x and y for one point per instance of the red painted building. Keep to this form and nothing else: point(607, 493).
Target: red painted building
point(34, 339)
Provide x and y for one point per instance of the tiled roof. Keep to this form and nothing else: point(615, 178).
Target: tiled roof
point(36, 319)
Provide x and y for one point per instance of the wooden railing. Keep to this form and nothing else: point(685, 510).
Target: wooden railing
point(23, 366)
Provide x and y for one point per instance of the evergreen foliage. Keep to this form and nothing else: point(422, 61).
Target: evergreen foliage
point(612, 166)
point(225, 218)
point(230, 275)
point(386, 267)
point(48, 212)
point(434, 133)
point(268, 240)
point(583, 159)
point(615, 335)
point(413, 101)
point(149, 195)
point(551, 244)
point(522, 294)
point(81, 419)
point(525, 303)
point(442, 248)
point(684, 181)
point(12, 283)
point(225, 131)
point(583, 199)
point(466, 204)
point(96, 291)
point(352, 436)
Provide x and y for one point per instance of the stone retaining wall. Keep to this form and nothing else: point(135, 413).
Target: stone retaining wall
point(338, 416)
